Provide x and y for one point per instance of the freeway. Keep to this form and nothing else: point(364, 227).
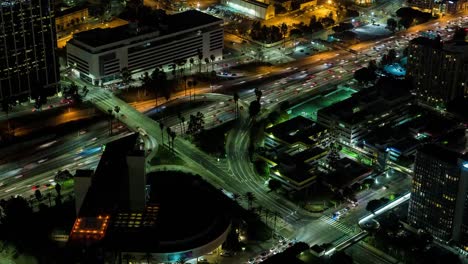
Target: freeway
point(35, 164)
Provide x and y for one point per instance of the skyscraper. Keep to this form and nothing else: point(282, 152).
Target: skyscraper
point(438, 71)
point(28, 64)
point(439, 193)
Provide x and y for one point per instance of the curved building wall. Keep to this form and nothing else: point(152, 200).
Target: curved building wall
point(185, 255)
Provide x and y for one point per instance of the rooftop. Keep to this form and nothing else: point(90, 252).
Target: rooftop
point(441, 153)
point(170, 24)
point(369, 102)
point(297, 129)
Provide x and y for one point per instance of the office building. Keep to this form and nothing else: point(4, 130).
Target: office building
point(28, 64)
point(439, 72)
point(352, 119)
point(259, 9)
point(439, 198)
point(124, 214)
point(436, 6)
point(97, 56)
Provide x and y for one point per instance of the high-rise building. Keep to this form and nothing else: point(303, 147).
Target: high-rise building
point(439, 72)
point(439, 198)
point(28, 64)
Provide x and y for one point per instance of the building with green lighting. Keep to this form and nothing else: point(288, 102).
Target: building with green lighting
point(352, 119)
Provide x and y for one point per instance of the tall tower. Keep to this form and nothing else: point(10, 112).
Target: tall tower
point(28, 64)
point(439, 194)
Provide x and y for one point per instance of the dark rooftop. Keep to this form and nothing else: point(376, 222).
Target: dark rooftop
point(172, 24)
point(369, 102)
point(440, 153)
point(190, 213)
point(347, 172)
point(297, 129)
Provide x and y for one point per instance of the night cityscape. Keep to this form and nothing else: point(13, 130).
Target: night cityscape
point(234, 131)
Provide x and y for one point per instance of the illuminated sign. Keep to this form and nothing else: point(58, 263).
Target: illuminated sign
point(90, 227)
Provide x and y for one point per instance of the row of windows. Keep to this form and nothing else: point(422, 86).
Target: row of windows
point(161, 60)
point(170, 55)
point(167, 49)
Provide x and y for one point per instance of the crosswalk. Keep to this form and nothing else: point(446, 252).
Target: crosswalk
point(337, 224)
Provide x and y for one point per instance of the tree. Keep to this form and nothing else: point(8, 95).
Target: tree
point(254, 108)
point(364, 75)
point(392, 24)
point(207, 61)
point(196, 124)
point(250, 197)
point(146, 82)
point(126, 76)
point(191, 61)
point(274, 184)
point(258, 94)
point(111, 118)
point(200, 57)
point(212, 58)
point(161, 126)
point(38, 195)
point(373, 205)
point(284, 31)
point(58, 189)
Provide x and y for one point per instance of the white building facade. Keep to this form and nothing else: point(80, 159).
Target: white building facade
point(99, 55)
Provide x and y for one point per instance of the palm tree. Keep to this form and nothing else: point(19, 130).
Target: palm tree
point(207, 60)
point(191, 61)
point(250, 199)
point(284, 31)
point(236, 100)
point(200, 57)
point(258, 94)
point(212, 58)
point(111, 117)
point(179, 115)
point(126, 76)
point(146, 82)
point(161, 126)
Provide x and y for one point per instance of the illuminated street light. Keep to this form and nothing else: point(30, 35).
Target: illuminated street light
point(329, 2)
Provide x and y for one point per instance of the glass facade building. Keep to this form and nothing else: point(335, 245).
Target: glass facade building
point(28, 64)
point(439, 193)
